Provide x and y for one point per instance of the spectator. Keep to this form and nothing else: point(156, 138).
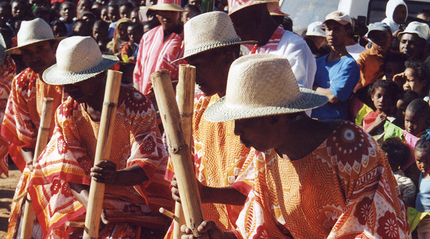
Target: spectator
point(405, 98)
point(135, 33)
point(337, 73)
point(422, 157)
point(417, 117)
point(100, 30)
point(424, 14)
point(68, 13)
point(120, 37)
point(351, 42)
point(396, 14)
point(104, 14)
point(394, 63)
point(125, 9)
point(190, 12)
point(59, 29)
point(81, 28)
point(316, 40)
point(134, 15)
point(5, 28)
point(113, 14)
point(413, 41)
point(415, 78)
point(43, 13)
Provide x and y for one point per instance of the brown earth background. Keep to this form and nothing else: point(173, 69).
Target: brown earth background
point(7, 189)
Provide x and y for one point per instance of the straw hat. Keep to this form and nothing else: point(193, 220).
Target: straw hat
point(419, 28)
point(262, 85)
point(168, 5)
point(78, 58)
point(209, 31)
point(31, 32)
point(236, 5)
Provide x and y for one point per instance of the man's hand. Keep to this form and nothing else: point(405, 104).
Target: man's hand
point(104, 172)
point(175, 191)
point(210, 227)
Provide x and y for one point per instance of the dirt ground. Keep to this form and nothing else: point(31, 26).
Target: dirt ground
point(7, 189)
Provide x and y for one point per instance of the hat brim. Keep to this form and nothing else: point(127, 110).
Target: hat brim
point(54, 76)
point(399, 36)
point(220, 111)
point(198, 50)
point(17, 50)
point(341, 21)
point(167, 7)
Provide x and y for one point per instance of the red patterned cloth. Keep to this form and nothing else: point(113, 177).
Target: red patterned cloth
point(343, 189)
point(70, 154)
point(218, 159)
point(23, 110)
point(7, 71)
point(155, 54)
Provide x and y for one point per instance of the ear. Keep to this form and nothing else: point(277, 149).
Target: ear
point(228, 57)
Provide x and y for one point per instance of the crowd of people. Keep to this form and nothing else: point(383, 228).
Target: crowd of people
point(319, 135)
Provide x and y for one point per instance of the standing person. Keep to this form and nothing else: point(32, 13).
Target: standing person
point(133, 175)
point(252, 21)
point(7, 73)
point(422, 157)
point(68, 13)
point(36, 45)
point(313, 178)
point(316, 40)
point(337, 73)
point(211, 44)
point(160, 46)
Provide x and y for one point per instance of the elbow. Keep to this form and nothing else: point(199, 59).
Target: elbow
point(332, 99)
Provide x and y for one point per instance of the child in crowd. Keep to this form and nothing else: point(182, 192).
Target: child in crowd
point(384, 95)
point(398, 154)
point(394, 63)
point(103, 45)
point(100, 30)
point(413, 78)
point(396, 14)
point(5, 28)
point(422, 157)
point(417, 117)
point(113, 14)
point(135, 33)
point(370, 61)
point(68, 13)
point(134, 15)
point(44, 13)
point(59, 28)
point(81, 28)
point(191, 11)
point(104, 14)
point(406, 97)
point(120, 37)
point(125, 9)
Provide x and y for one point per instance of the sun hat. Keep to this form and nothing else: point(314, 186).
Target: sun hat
point(78, 58)
point(419, 28)
point(378, 26)
point(30, 32)
point(278, 12)
point(339, 17)
point(315, 29)
point(209, 31)
point(262, 85)
point(168, 5)
point(236, 5)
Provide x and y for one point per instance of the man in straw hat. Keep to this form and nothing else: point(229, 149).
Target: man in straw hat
point(7, 73)
point(252, 21)
point(160, 46)
point(135, 188)
point(36, 45)
point(211, 44)
point(337, 73)
point(313, 178)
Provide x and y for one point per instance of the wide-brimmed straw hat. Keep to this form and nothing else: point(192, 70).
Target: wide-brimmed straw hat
point(262, 85)
point(78, 58)
point(421, 29)
point(168, 5)
point(30, 32)
point(209, 31)
point(236, 5)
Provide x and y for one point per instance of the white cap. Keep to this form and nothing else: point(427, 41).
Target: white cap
point(419, 28)
point(315, 29)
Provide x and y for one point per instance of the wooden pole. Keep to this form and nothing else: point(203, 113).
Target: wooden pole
point(41, 141)
point(179, 150)
point(185, 99)
point(97, 190)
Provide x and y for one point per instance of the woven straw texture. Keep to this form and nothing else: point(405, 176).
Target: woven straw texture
point(262, 85)
point(168, 5)
point(208, 31)
point(236, 5)
point(31, 32)
point(78, 58)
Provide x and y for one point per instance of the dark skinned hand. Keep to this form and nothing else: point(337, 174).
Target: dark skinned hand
point(104, 172)
point(175, 191)
point(210, 227)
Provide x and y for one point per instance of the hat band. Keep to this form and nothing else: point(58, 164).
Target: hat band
point(210, 46)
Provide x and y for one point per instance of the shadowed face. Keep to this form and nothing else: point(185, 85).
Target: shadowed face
point(169, 20)
point(38, 56)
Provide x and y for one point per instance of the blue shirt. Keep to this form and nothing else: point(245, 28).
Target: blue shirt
point(340, 77)
point(423, 196)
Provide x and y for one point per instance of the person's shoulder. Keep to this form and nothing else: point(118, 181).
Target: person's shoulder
point(349, 61)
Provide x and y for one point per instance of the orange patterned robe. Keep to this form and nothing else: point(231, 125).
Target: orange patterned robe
point(20, 127)
point(218, 158)
point(70, 155)
point(7, 71)
point(343, 189)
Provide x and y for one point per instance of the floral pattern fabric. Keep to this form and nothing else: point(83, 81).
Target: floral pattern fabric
point(343, 189)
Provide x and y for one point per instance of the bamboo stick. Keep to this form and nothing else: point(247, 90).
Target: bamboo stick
point(41, 141)
point(96, 194)
point(179, 150)
point(185, 99)
point(168, 213)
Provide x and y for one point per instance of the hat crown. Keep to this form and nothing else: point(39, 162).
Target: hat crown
point(315, 29)
point(177, 2)
point(33, 31)
point(261, 80)
point(208, 30)
point(419, 28)
point(338, 16)
point(235, 5)
point(78, 54)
